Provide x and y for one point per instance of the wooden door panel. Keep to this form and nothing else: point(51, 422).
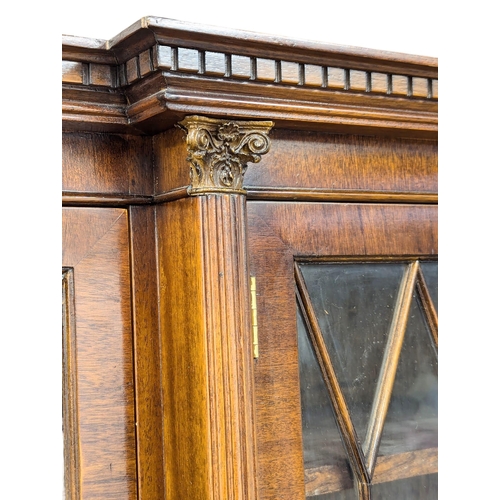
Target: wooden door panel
point(96, 250)
point(278, 234)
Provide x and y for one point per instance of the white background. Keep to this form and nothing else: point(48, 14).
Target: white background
point(465, 38)
point(400, 29)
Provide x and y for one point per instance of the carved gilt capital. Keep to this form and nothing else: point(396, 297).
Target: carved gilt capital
point(219, 151)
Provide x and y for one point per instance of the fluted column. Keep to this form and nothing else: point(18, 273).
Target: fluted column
point(218, 152)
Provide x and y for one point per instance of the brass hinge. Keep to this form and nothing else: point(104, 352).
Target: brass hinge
point(255, 328)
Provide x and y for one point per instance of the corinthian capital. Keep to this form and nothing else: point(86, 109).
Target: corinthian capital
point(219, 151)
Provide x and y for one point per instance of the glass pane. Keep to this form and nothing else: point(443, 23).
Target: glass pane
point(430, 272)
point(412, 418)
point(325, 462)
point(413, 488)
point(354, 305)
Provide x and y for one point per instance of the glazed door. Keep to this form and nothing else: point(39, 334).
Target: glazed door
point(346, 377)
point(98, 377)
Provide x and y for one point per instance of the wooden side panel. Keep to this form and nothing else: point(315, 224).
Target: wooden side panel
point(95, 245)
point(279, 232)
point(106, 163)
point(147, 353)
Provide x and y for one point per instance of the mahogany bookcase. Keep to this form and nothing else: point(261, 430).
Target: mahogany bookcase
point(249, 268)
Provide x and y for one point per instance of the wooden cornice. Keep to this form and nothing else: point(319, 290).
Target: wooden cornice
point(158, 71)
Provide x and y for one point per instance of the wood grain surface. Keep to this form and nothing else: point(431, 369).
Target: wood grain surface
point(184, 377)
point(147, 372)
point(106, 163)
point(342, 162)
point(118, 170)
point(95, 247)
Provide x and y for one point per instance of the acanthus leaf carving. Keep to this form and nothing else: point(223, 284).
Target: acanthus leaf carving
point(219, 152)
